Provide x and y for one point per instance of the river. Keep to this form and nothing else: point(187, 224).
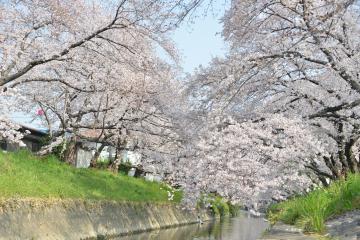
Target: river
point(242, 227)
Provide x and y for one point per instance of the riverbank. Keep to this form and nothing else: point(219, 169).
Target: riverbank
point(24, 175)
point(310, 212)
point(331, 211)
point(43, 198)
point(344, 227)
point(84, 219)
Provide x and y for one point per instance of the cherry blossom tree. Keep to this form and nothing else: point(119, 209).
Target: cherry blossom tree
point(295, 58)
point(249, 161)
point(280, 108)
point(70, 47)
point(119, 103)
point(36, 35)
point(310, 50)
point(9, 132)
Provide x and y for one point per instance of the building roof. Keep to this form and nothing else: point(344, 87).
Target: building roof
point(33, 129)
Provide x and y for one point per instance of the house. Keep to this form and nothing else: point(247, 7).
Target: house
point(33, 141)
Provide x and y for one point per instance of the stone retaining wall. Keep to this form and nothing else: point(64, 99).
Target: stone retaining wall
point(76, 219)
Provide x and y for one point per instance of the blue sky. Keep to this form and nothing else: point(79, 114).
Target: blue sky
point(201, 40)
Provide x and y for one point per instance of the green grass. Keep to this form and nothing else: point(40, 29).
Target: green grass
point(23, 175)
point(312, 210)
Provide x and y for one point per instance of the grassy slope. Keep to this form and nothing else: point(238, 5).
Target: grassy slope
point(24, 175)
point(311, 211)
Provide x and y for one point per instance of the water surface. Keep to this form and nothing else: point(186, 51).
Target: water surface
point(243, 227)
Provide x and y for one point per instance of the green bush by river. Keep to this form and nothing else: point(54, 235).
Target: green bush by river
point(219, 206)
point(25, 175)
point(312, 210)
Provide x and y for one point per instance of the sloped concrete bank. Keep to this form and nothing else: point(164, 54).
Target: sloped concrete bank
point(78, 219)
point(281, 231)
point(344, 227)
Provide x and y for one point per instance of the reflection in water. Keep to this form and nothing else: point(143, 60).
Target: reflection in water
point(242, 227)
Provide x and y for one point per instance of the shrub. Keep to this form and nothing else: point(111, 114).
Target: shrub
point(218, 205)
point(102, 163)
point(234, 209)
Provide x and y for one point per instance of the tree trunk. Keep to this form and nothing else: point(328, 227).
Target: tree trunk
point(321, 176)
point(344, 162)
point(341, 150)
point(354, 165)
point(334, 166)
point(114, 166)
point(96, 156)
point(70, 154)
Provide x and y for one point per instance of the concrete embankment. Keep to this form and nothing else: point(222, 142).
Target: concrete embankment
point(344, 227)
point(78, 219)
